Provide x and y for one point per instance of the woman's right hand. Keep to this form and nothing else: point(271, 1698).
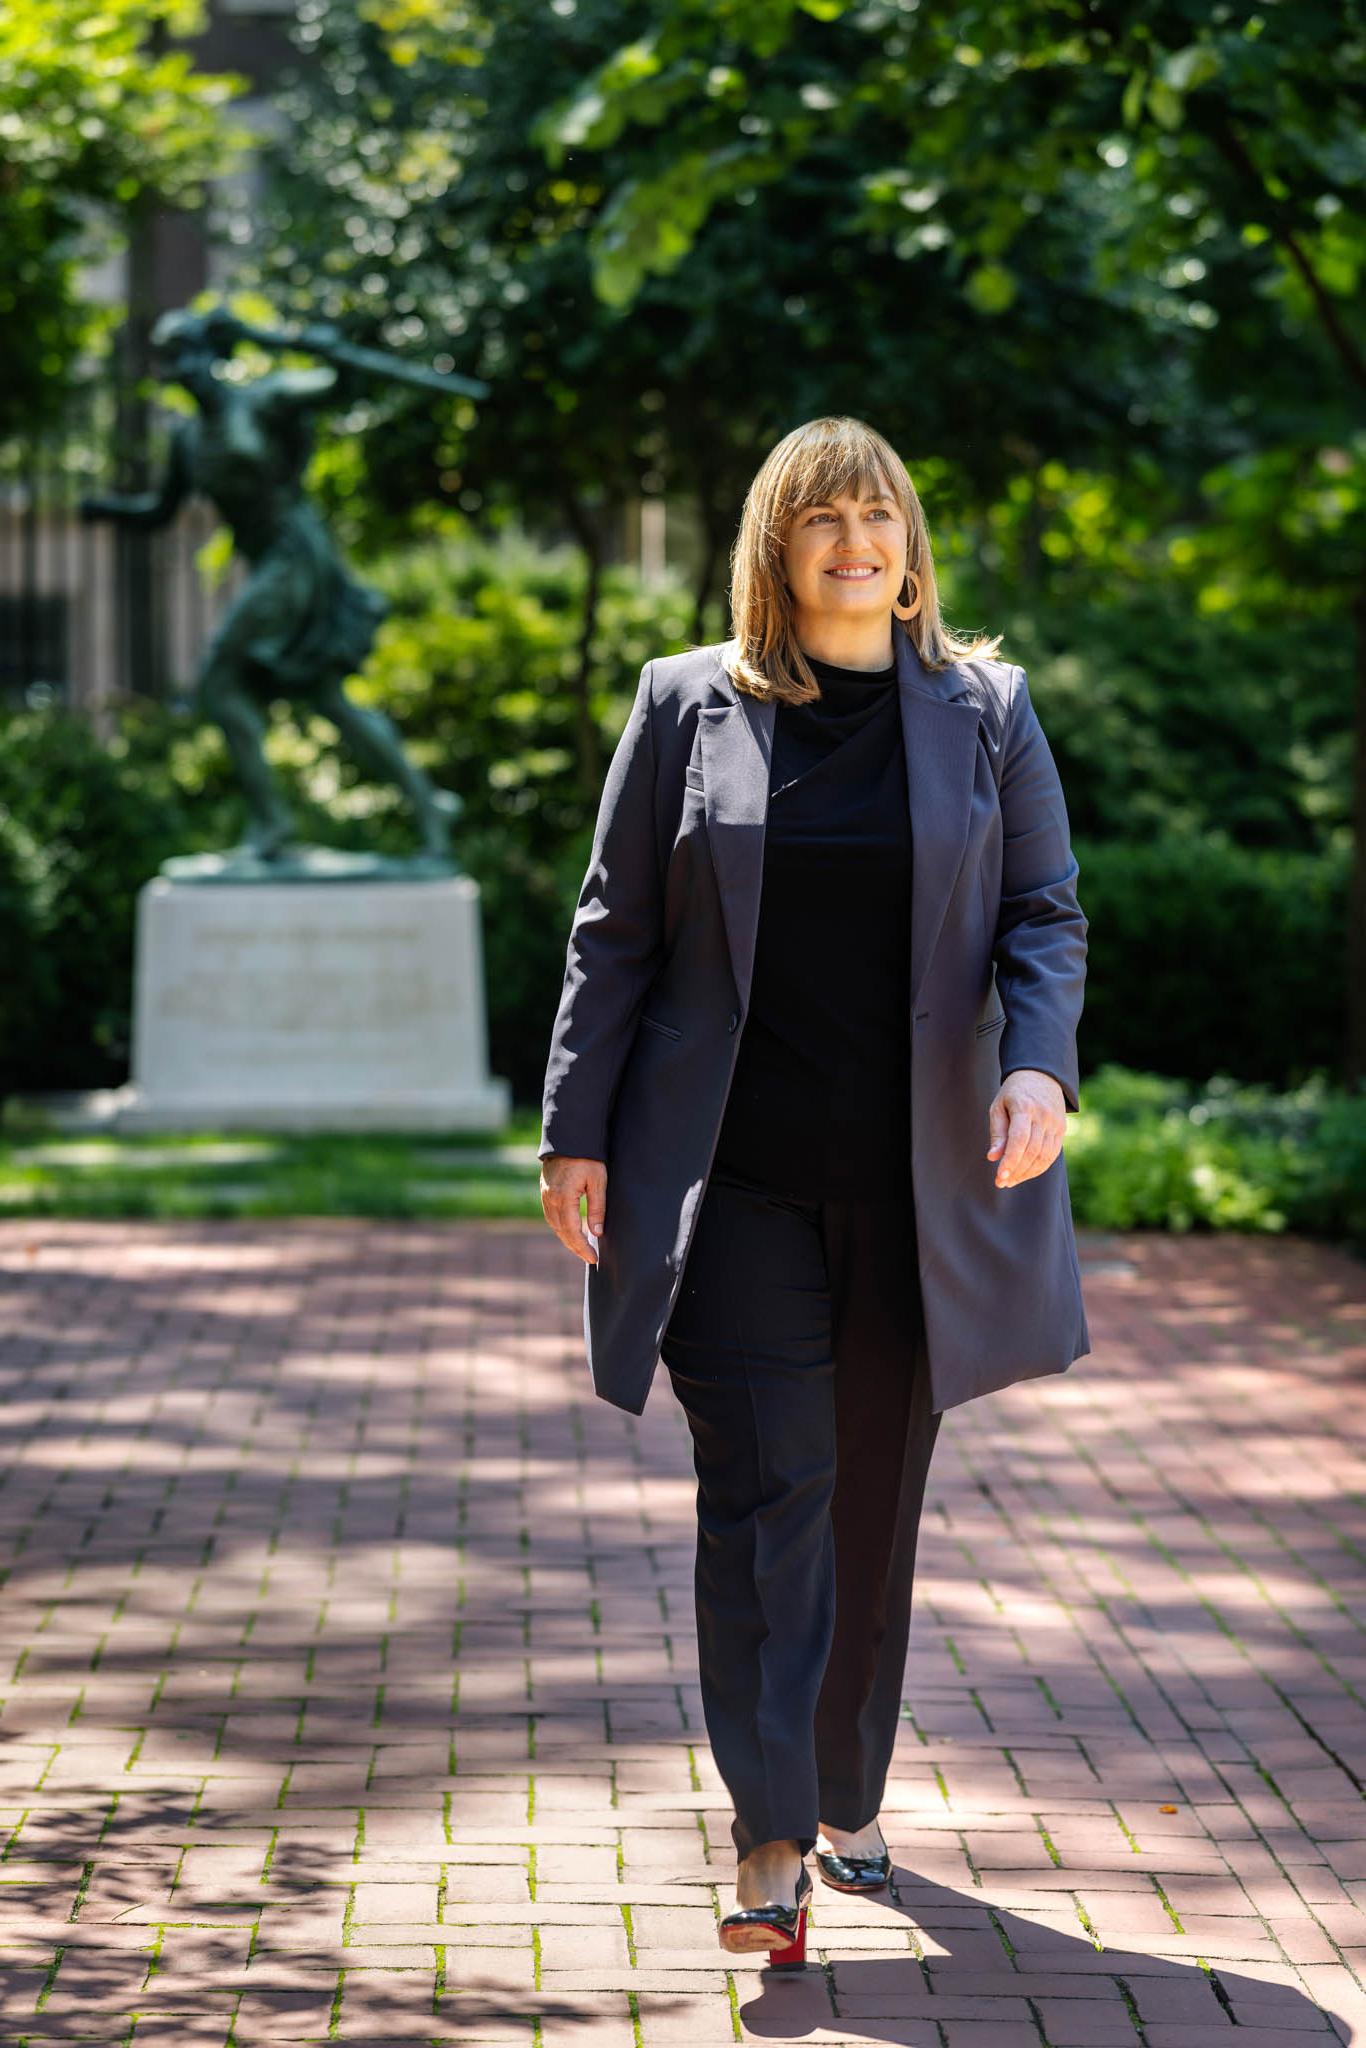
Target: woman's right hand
point(563, 1181)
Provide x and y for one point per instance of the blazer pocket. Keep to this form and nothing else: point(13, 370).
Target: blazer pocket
point(656, 1024)
point(992, 1024)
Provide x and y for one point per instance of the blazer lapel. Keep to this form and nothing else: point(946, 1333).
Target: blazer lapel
point(737, 745)
point(939, 723)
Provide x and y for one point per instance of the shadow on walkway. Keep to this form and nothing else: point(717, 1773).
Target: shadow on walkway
point(348, 1685)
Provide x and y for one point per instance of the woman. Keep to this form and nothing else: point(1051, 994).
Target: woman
point(796, 1114)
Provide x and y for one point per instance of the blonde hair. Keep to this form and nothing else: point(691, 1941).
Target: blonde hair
point(814, 464)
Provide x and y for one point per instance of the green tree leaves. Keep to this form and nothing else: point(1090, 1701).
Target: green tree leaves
point(97, 115)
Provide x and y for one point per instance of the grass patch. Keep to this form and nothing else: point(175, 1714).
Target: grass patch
point(1145, 1152)
point(46, 1171)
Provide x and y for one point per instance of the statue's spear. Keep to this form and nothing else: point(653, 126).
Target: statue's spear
point(321, 338)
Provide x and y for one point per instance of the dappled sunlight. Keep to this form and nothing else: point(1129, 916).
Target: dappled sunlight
point(349, 1642)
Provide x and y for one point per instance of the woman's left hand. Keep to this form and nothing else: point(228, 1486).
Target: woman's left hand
point(1028, 1117)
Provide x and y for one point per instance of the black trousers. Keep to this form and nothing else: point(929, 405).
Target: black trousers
point(796, 1348)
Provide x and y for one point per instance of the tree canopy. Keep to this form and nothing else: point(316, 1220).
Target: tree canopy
point(99, 116)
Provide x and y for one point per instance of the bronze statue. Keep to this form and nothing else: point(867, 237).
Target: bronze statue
point(302, 623)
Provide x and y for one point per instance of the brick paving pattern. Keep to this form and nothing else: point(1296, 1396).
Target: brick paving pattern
point(347, 1668)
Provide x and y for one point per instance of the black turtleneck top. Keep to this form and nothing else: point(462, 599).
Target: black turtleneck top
point(819, 1106)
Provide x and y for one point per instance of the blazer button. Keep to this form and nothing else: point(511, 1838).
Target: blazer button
point(734, 1023)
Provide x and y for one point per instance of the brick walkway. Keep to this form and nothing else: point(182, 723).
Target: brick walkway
point(347, 1666)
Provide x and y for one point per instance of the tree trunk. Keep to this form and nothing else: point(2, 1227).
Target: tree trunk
point(587, 744)
point(706, 575)
point(141, 606)
point(1355, 1061)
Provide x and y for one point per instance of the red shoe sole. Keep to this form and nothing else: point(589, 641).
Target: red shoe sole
point(792, 1956)
point(760, 1935)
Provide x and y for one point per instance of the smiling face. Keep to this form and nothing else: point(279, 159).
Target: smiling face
point(845, 560)
point(833, 495)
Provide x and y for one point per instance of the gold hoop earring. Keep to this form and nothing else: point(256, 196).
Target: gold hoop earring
point(904, 609)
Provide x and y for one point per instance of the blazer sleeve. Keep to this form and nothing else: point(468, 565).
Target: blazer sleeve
point(615, 944)
point(1040, 948)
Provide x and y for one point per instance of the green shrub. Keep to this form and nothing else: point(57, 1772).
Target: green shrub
point(79, 834)
point(25, 985)
point(1167, 720)
point(1206, 958)
point(1149, 1152)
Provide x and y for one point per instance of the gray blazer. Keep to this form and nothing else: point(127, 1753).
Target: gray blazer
point(657, 985)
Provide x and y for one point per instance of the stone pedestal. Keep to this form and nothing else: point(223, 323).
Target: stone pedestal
point(337, 1005)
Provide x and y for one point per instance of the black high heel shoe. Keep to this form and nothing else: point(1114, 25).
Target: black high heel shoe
point(854, 1873)
point(779, 1929)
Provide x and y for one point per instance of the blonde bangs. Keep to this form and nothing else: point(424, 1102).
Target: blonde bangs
point(827, 458)
point(820, 472)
